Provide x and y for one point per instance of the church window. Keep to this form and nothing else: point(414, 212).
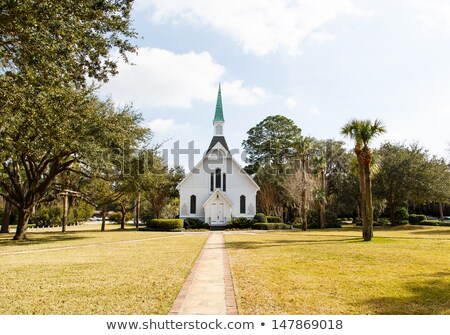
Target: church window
point(218, 179)
point(212, 182)
point(224, 182)
point(193, 204)
point(242, 204)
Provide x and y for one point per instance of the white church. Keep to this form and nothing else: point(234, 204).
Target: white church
point(217, 189)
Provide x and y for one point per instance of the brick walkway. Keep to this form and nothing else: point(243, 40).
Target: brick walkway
point(208, 290)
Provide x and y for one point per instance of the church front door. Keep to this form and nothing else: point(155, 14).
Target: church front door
point(217, 213)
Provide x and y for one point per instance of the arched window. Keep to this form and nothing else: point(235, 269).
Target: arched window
point(193, 204)
point(242, 204)
point(218, 178)
point(224, 181)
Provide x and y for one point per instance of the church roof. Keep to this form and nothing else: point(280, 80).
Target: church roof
point(218, 139)
point(218, 116)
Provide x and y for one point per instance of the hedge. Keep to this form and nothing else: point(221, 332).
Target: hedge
point(240, 223)
point(433, 223)
point(270, 226)
point(274, 219)
point(192, 223)
point(416, 218)
point(260, 218)
point(165, 224)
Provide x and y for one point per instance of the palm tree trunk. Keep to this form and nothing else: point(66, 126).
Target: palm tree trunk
point(362, 191)
point(322, 200)
point(368, 224)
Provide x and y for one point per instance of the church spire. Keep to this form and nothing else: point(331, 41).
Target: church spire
point(218, 116)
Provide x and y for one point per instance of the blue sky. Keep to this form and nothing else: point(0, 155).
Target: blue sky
point(318, 62)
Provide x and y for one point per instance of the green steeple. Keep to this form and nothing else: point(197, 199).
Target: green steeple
point(218, 117)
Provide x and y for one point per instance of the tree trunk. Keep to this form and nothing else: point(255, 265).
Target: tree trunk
point(304, 198)
point(103, 218)
point(323, 200)
point(6, 216)
point(122, 222)
point(362, 191)
point(441, 211)
point(368, 224)
point(322, 216)
point(137, 210)
point(22, 223)
point(65, 209)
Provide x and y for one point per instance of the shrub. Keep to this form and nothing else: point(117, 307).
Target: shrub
point(165, 224)
point(401, 214)
point(115, 217)
point(313, 218)
point(381, 222)
point(444, 223)
point(357, 221)
point(191, 223)
point(45, 217)
point(206, 226)
point(416, 218)
point(429, 223)
point(260, 218)
point(333, 225)
point(240, 223)
point(274, 219)
point(270, 226)
point(402, 222)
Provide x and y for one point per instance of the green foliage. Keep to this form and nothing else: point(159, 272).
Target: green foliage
point(240, 223)
point(115, 217)
point(401, 214)
point(431, 223)
point(270, 226)
point(166, 224)
point(192, 223)
point(47, 216)
point(260, 218)
point(272, 141)
point(64, 39)
point(416, 218)
point(382, 221)
point(313, 218)
point(274, 219)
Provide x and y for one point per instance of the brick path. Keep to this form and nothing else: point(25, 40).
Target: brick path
point(208, 290)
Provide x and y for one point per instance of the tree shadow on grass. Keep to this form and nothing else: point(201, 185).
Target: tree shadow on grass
point(444, 232)
point(49, 238)
point(426, 298)
point(280, 243)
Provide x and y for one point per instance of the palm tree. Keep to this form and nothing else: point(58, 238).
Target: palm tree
point(363, 131)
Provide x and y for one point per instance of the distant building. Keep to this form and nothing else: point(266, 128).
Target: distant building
point(218, 188)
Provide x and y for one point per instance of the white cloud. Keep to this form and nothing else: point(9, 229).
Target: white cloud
point(321, 37)
point(166, 125)
point(258, 26)
point(314, 110)
point(161, 78)
point(434, 14)
point(291, 103)
point(236, 94)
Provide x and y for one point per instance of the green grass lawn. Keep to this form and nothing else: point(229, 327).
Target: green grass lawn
point(140, 275)
point(404, 270)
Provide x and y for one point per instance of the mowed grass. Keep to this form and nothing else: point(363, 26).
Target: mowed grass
point(403, 270)
point(140, 275)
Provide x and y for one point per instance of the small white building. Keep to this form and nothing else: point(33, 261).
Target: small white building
point(217, 189)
